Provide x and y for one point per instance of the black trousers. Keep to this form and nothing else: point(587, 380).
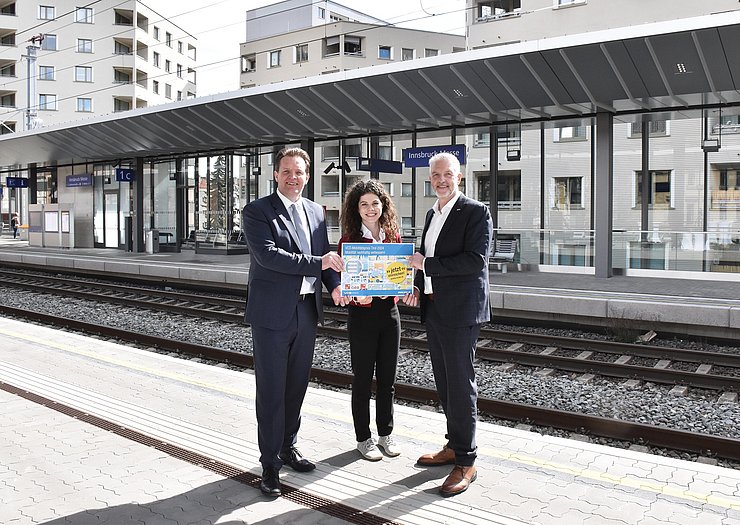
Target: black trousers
point(374, 339)
point(452, 352)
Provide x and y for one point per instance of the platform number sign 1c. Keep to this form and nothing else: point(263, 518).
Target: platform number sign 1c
point(124, 175)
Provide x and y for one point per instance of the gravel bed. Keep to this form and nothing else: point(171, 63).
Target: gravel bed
point(699, 411)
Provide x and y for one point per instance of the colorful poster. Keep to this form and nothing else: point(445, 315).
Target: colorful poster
point(377, 269)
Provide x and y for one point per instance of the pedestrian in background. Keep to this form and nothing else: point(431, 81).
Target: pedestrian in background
point(15, 222)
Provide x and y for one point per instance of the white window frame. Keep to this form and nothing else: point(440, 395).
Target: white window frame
point(53, 75)
point(297, 59)
point(156, 33)
point(82, 48)
point(568, 134)
point(48, 38)
point(566, 182)
point(47, 102)
point(382, 48)
point(89, 105)
point(155, 87)
point(156, 59)
point(44, 10)
point(273, 59)
point(168, 91)
point(671, 194)
point(83, 74)
point(559, 4)
point(429, 52)
point(87, 15)
point(403, 52)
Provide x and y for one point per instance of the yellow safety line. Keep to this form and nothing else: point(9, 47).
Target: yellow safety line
point(625, 481)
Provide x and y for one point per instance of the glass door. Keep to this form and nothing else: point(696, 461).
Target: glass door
point(110, 218)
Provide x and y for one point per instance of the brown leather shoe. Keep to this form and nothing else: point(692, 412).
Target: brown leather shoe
point(446, 456)
point(458, 481)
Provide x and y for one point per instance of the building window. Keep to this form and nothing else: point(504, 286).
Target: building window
point(301, 53)
point(46, 72)
point(168, 91)
point(331, 46)
point(406, 225)
point(167, 65)
point(406, 189)
point(83, 73)
point(428, 190)
point(49, 43)
point(123, 19)
point(659, 183)
point(155, 59)
point(508, 190)
point(168, 39)
point(7, 127)
point(352, 45)
point(497, 8)
point(385, 53)
point(48, 102)
point(119, 48)
point(46, 12)
point(275, 58)
point(155, 86)
point(179, 95)
point(7, 71)
point(559, 3)
point(179, 47)
point(431, 52)
point(84, 105)
point(656, 128)
point(84, 45)
point(407, 54)
point(322, 13)
point(568, 193)
point(84, 15)
point(569, 134)
point(156, 33)
point(179, 70)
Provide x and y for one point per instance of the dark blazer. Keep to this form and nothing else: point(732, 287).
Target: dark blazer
point(277, 265)
point(459, 268)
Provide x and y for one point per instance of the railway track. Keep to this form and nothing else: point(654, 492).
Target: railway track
point(659, 364)
point(723, 447)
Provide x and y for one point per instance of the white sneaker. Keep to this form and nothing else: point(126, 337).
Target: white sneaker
point(368, 450)
point(389, 446)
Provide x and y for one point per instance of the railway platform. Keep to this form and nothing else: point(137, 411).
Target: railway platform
point(679, 305)
point(97, 432)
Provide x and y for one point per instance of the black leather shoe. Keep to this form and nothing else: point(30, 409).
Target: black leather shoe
point(294, 460)
point(270, 483)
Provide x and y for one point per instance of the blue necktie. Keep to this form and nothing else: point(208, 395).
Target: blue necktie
point(295, 215)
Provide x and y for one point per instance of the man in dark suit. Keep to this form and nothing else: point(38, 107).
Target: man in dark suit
point(452, 289)
point(289, 259)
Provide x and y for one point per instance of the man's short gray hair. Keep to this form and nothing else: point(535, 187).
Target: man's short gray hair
point(450, 158)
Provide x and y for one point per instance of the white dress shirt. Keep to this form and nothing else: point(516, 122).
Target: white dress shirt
point(307, 286)
point(435, 226)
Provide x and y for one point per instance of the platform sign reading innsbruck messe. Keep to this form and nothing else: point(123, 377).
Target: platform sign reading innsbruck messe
point(419, 157)
point(124, 175)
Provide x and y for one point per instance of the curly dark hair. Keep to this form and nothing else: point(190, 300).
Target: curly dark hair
point(351, 221)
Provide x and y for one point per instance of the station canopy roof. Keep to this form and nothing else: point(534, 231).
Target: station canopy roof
point(669, 66)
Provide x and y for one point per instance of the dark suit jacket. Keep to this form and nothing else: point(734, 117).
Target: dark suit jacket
point(277, 265)
point(459, 268)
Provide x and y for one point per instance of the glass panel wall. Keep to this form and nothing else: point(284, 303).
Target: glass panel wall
point(568, 181)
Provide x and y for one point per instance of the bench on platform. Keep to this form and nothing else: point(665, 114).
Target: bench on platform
point(504, 252)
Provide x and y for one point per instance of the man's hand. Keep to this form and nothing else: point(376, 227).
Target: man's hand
point(332, 260)
point(336, 295)
point(417, 261)
point(412, 299)
point(363, 300)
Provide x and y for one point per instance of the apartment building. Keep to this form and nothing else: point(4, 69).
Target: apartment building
point(303, 38)
point(105, 57)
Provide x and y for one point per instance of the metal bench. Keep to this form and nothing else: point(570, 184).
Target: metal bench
point(504, 252)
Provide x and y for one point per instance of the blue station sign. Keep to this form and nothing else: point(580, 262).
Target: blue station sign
point(124, 174)
point(379, 165)
point(419, 157)
point(83, 179)
point(16, 182)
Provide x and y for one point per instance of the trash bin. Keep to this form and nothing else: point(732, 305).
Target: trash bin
point(151, 241)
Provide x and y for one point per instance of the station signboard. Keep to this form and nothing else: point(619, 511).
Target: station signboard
point(419, 157)
point(82, 179)
point(124, 174)
point(16, 182)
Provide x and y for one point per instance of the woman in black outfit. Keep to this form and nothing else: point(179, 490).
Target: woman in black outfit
point(368, 215)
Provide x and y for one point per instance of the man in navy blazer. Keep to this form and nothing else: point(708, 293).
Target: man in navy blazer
point(451, 286)
point(289, 259)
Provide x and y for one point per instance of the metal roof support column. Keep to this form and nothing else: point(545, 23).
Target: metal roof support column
point(308, 146)
point(603, 194)
point(138, 211)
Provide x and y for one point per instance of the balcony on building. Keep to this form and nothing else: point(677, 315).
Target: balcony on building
point(7, 37)
point(122, 75)
point(7, 68)
point(142, 50)
point(497, 10)
point(7, 8)
point(123, 17)
point(142, 22)
point(7, 99)
point(142, 80)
